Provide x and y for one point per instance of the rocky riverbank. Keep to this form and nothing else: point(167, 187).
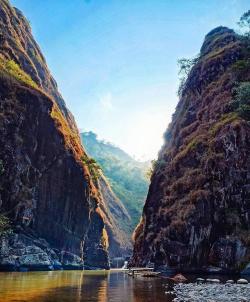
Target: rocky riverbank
point(23, 252)
point(20, 252)
point(207, 292)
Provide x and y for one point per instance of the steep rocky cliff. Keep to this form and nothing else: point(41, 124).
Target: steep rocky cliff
point(126, 175)
point(124, 193)
point(115, 216)
point(46, 189)
point(196, 215)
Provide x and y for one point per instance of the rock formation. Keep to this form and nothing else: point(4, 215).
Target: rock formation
point(45, 188)
point(196, 215)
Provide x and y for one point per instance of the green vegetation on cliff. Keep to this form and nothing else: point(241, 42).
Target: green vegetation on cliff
point(127, 176)
point(5, 227)
point(242, 100)
point(14, 70)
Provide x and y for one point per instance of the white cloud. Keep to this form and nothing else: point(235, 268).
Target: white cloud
point(105, 101)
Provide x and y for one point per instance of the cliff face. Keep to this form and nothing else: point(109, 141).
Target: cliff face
point(46, 189)
point(115, 216)
point(196, 214)
point(125, 193)
point(18, 44)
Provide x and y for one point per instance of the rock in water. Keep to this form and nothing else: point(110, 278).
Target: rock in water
point(200, 280)
point(179, 278)
point(46, 187)
point(213, 280)
point(242, 281)
point(197, 211)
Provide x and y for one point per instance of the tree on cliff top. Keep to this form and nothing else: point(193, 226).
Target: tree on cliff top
point(244, 23)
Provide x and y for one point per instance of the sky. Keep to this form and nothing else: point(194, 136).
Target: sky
point(115, 61)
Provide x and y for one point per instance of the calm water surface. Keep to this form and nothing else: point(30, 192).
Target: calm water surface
point(77, 286)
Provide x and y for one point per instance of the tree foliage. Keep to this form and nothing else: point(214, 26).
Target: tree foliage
point(245, 21)
point(93, 166)
point(185, 66)
point(241, 102)
point(5, 226)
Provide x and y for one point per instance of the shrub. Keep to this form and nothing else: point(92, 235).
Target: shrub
point(93, 166)
point(241, 65)
point(5, 227)
point(13, 69)
point(151, 169)
point(225, 119)
point(185, 66)
point(242, 100)
point(244, 111)
point(243, 93)
point(245, 21)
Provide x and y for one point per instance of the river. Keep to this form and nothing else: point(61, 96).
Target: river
point(111, 286)
point(77, 286)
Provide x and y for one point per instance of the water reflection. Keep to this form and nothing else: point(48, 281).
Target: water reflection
point(78, 286)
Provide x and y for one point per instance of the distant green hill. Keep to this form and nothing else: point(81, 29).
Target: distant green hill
point(126, 176)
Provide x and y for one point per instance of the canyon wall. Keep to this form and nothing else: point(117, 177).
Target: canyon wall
point(46, 189)
point(196, 216)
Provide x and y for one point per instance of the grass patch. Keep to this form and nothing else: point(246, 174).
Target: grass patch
point(70, 137)
point(13, 69)
point(192, 145)
point(225, 119)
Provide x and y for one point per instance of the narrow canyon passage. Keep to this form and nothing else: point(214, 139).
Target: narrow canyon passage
point(139, 188)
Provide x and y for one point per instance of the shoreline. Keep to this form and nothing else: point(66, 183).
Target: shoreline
point(164, 274)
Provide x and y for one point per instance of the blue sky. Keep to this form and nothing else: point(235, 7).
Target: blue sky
point(115, 61)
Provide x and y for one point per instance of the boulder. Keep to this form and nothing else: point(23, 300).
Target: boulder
point(230, 281)
point(40, 261)
point(71, 261)
point(242, 281)
point(179, 278)
point(213, 280)
point(200, 280)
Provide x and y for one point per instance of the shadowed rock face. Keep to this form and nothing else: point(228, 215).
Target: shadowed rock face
point(45, 188)
point(113, 213)
point(197, 211)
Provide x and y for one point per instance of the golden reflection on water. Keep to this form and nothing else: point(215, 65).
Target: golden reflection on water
point(78, 286)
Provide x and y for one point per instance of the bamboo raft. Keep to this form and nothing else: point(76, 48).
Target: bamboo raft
point(142, 271)
point(150, 274)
